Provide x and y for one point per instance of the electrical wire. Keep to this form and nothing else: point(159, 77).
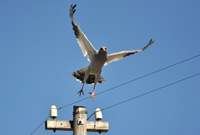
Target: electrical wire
point(152, 91)
point(40, 124)
point(149, 92)
point(73, 103)
point(91, 115)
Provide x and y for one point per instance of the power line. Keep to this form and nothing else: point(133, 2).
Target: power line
point(152, 91)
point(40, 124)
point(92, 114)
point(73, 103)
point(149, 92)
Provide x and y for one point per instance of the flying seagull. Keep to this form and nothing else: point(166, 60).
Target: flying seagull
point(97, 58)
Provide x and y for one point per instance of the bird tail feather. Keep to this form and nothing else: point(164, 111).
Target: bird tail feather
point(79, 75)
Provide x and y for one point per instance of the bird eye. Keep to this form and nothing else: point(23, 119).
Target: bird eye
point(103, 48)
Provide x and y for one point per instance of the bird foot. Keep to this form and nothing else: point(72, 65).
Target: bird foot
point(81, 91)
point(92, 95)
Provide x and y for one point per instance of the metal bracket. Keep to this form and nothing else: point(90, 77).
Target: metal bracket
point(80, 121)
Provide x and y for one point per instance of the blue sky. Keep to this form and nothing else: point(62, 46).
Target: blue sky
point(38, 51)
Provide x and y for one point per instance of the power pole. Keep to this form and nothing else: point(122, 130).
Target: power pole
point(80, 120)
point(79, 125)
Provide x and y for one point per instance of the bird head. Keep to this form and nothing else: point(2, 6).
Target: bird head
point(104, 49)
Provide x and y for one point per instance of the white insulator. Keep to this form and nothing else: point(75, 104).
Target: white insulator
point(53, 112)
point(98, 114)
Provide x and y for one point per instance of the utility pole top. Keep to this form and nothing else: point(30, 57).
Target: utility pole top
point(79, 125)
point(80, 109)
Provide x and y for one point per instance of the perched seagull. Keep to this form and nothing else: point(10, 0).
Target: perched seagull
point(98, 59)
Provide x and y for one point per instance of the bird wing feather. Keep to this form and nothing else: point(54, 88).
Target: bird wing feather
point(119, 55)
point(85, 45)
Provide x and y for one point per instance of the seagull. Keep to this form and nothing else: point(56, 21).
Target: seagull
point(98, 58)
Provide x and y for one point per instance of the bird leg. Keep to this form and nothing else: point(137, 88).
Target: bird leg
point(92, 94)
point(81, 91)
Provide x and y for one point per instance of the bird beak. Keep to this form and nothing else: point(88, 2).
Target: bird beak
point(104, 49)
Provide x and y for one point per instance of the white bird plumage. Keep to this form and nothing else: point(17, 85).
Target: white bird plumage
point(98, 59)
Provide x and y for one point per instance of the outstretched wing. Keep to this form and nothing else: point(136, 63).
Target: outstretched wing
point(119, 55)
point(83, 41)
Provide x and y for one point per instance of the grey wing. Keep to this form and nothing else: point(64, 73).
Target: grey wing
point(119, 55)
point(85, 45)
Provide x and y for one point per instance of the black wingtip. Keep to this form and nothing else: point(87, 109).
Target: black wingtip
point(152, 41)
point(74, 11)
point(74, 6)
